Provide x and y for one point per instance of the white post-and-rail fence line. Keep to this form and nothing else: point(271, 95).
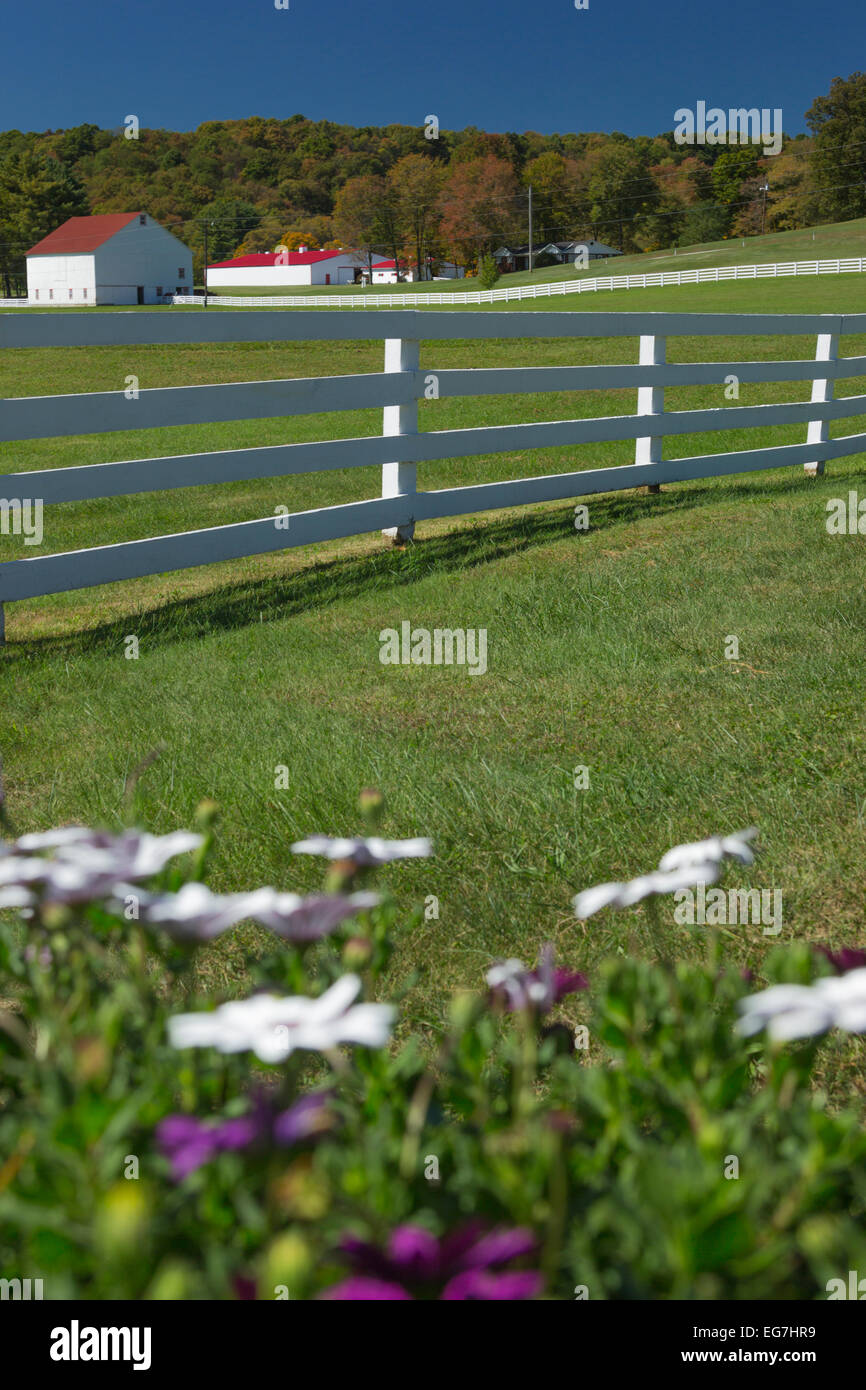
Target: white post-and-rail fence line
point(362, 299)
point(400, 447)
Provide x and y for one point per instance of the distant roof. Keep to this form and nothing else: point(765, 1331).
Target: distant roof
point(78, 235)
point(388, 265)
point(273, 258)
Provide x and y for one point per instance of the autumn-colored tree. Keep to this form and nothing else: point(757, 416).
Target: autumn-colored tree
point(312, 232)
point(791, 200)
point(481, 206)
point(471, 144)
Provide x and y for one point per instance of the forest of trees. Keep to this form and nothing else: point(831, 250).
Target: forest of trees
point(258, 183)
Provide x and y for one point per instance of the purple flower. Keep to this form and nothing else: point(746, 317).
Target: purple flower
point(194, 913)
point(188, 1142)
point(480, 1284)
point(86, 865)
point(461, 1266)
point(308, 919)
point(42, 954)
point(365, 1290)
point(133, 855)
point(848, 958)
point(515, 987)
point(308, 1116)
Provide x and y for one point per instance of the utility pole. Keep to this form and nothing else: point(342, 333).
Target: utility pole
point(205, 264)
point(765, 188)
point(530, 230)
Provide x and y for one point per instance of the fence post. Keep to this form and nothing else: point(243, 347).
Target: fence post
point(399, 479)
point(650, 401)
point(822, 390)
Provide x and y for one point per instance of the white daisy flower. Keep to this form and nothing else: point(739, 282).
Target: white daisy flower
point(716, 848)
point(367, 853)
point(592, 900)
point(274, 1027)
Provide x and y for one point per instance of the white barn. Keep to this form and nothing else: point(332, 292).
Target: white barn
point(385, 272)
point(273, 269)
point(113, 258)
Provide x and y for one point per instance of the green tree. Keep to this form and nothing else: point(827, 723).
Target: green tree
point(228, 221)
point(731, 170)
point(838, 161)
point(358, 215)
point(557, 195)
point(37, 194)
point(415, 183)
point(703, 222)
point(621, 189)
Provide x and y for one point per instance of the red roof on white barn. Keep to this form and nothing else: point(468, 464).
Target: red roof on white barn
point(78, 235)
point(259, 258)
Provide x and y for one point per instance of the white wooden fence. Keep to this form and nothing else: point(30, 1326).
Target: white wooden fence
point(363, 299)
point(400, 447)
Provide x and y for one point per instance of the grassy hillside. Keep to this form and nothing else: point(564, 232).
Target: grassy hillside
point(606, 649)
point(835, 240)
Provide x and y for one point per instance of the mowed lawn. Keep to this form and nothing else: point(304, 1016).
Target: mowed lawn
point(605, 650)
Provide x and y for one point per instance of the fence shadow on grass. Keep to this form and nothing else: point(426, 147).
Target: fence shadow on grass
point(470, 544)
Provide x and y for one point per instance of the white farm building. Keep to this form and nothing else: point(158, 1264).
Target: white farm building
point(273, 269)
point(114, 258)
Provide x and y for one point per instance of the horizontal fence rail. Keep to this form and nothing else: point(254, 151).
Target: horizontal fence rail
point(400, 447)
point(704, 275)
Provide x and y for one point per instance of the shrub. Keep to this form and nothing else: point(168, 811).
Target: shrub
point(488, 272)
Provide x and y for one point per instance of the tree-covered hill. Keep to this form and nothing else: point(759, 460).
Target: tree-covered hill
point(260, 182)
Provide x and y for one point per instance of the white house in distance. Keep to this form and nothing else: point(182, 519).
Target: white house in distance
point(568, 250)
point(273, 269)
point(112, 258)
point(385, 272)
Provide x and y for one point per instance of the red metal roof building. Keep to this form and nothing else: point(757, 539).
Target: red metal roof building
point(275, 269)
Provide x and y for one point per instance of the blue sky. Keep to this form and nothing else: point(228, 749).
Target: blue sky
point(497, 64)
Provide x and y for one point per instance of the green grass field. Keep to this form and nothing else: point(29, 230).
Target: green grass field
point(605, 649)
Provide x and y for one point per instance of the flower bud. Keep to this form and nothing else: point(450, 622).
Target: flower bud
point(173, 1282)
point(288, 1262)
point(55, 915)
point(121, 1219)
point(92, 1059)
point(357, 953)
point(340, 876)
point(371, 804)
point(206, 813)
